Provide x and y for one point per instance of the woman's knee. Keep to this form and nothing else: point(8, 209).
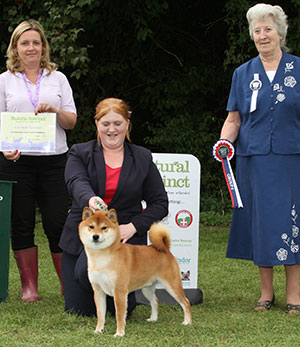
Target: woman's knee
point(78, 294)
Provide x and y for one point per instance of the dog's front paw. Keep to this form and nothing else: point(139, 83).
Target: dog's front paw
point(186, 322)
point(119, 334)
point(99, 331)
point(151, 319)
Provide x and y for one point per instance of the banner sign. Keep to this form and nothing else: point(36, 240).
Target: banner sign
point(181, 176)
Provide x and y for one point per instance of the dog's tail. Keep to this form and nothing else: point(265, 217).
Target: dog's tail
point(160, 237)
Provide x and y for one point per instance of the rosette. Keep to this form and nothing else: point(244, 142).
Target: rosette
point(223, 151)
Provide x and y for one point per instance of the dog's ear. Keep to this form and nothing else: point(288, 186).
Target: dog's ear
point(112, 215)
point(87, 212)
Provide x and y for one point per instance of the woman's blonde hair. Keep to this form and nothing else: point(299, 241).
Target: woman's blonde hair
point(262, 11)
point(116, 105)
point(13, 62)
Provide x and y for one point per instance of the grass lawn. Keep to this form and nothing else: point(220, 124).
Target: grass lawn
point(225, 318)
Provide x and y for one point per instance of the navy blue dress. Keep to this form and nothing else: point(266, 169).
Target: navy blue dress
point(266, 229)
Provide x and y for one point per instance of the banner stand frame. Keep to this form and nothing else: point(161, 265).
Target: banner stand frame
point(194, 295)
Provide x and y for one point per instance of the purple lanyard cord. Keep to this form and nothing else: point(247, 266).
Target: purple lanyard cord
point(34, 100)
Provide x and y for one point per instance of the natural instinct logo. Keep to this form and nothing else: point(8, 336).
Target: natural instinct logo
point(183, 218)
point(175, 167)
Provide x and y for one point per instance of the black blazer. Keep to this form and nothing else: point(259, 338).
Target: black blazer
point(85, 176)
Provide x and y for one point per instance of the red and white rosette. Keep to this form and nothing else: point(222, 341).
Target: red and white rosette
point(223, 151)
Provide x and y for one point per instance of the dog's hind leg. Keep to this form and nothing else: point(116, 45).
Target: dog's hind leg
point(149, 293)
point(100, 302)
point(174, 288)
point(120, 300)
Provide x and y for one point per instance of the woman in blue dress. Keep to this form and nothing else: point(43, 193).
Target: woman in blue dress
point(264, 117)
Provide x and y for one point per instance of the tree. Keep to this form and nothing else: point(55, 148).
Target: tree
point(171, 60)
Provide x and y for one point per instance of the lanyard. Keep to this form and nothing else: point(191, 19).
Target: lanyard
point(34, 100)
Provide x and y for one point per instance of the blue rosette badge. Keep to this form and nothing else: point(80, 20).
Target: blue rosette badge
point(223, 151)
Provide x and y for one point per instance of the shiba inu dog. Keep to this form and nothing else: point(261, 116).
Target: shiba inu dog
point(116, 268)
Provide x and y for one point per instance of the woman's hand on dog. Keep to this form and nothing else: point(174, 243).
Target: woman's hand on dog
point(127, 231)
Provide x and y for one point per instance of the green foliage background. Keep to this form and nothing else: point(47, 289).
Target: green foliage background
point(171, 60)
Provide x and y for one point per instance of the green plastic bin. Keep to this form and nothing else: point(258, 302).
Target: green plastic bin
point(5, 211)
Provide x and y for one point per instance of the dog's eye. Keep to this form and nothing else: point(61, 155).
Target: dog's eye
point(104, 228)
point(91, 227)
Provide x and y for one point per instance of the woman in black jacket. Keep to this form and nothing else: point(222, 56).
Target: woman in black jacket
point(112, 172)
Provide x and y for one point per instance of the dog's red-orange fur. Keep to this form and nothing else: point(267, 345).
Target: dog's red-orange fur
point(117, 269)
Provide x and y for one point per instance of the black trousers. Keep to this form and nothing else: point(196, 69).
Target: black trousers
point(40, 182)
point(78, 292)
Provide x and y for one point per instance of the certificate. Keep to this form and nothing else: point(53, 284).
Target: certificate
point(28, 132)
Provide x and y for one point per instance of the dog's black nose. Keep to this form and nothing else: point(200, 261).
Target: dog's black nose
point(95, 237)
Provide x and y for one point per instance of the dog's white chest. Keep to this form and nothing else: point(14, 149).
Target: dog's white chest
point(104, 279)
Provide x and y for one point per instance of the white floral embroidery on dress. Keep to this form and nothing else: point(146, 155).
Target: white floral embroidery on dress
point(295, 231)
point(294, 214)
point(285, 239)
point(280, 97)
point(294, 247)
point(290, 81)
point(277, 87)
point(280, 93)
point(288, 67)
point(282, 253)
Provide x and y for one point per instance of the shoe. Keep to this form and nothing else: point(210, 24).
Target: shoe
point(56, 258)
point(27, 262)
point(264, 305)
point(292, 309)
